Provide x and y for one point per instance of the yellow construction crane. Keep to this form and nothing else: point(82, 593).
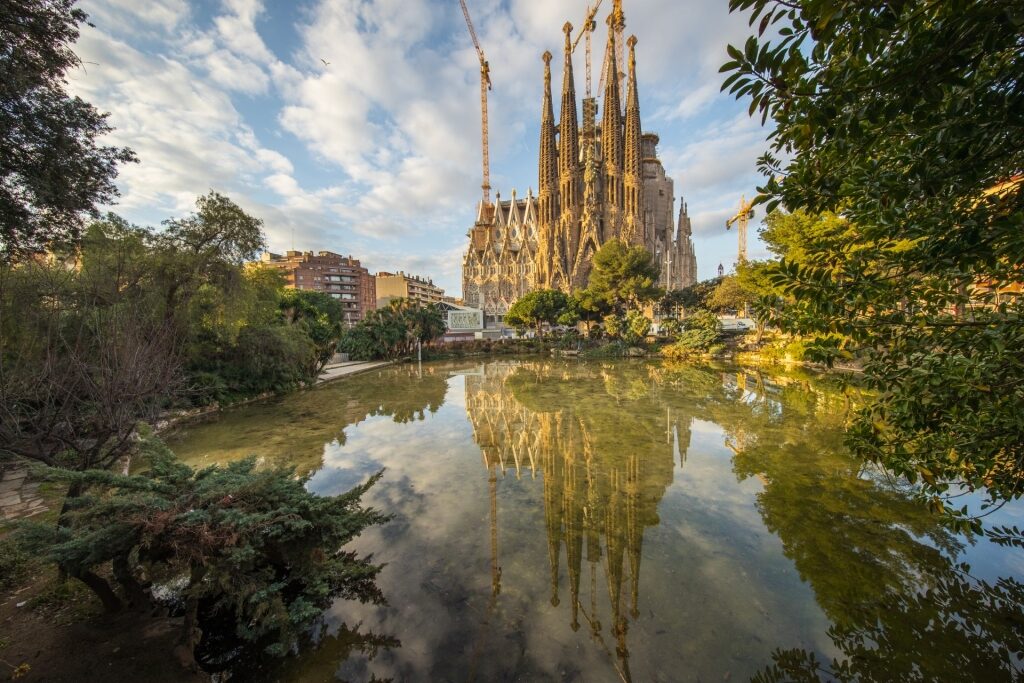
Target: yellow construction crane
point(485, 85)
point(617, 20)
point(589, 26)
point(741, 219)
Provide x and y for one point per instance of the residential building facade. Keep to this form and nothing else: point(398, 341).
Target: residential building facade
point(341, 277)
point(401, 285)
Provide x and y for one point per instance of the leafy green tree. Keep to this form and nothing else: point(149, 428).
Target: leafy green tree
point(690, 298)
point(906, 120)
point(624, 276)
point(320, 316)
point(250, 543)
point(729, 296)
point(670, 327)
point(700, 330)
point(393, 331)
point(53, 171)
point(540, 307)
point(589, 307)
point(637, 327)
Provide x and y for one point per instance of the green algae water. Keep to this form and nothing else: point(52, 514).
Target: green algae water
point(620, 521)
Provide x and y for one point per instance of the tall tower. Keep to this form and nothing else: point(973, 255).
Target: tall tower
point(547, 195)
point(633, 224)
point(570, 191)
point(686, 257)
point(612, 150)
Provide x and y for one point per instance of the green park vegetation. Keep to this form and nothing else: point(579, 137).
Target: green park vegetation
point(393, 332)
point(897, 150)
point(105, 326)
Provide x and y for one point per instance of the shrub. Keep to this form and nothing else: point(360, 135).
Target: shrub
point(15, 564)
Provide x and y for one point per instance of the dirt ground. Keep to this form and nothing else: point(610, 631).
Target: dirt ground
point(58, 631)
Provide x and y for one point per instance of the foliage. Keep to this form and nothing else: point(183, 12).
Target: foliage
point(614, 326)
point(319, 316)
point(670, 327)
point(624, 276)
point(689, 298)
point(906, 120)
point(588, 307)
point(700, 330)
point(728, 297)
point(84, 356)
point(271, 358)
point(15, 564)
point(393, 331)
point(540, 307)
point(53, 169)
point(636, 329)
point(252, 543)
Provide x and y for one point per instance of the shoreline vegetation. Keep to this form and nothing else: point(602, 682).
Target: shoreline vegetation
point(894, 201)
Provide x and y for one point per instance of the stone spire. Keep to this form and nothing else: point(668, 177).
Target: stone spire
point(547, 191)
point(548, 164)
point(611, 143)
point(686, 257)
point(633, 229)
point(568, 132)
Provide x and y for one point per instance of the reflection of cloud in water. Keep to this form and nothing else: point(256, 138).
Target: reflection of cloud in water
point(723, 502)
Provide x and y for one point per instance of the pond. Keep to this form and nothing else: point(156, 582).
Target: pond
point(626, 521)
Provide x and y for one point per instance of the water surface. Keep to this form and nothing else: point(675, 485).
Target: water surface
point(620, 521)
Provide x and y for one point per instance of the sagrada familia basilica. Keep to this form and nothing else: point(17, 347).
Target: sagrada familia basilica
point(598, 180)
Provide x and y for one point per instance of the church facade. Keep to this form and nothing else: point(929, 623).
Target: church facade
point(597, 181)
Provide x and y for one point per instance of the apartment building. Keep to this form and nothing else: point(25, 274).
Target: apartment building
point(342, 277)
point(403, 286)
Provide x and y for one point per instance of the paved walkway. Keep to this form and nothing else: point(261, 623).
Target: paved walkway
point(19, 498)
point(351, 368)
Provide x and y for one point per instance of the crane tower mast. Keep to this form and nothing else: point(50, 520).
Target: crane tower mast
point(485, 85)
point(741, 220)
point(589, 26)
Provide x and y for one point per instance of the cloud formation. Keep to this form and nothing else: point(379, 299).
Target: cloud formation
point(353, 125)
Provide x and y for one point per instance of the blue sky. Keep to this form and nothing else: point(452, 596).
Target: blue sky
point(376, 153)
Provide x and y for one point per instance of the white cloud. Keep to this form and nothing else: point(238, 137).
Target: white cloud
point(154, 14)
point(379, 149)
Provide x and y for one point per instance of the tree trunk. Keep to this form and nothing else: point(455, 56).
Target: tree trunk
point(111, 603)
point(134, 591)
point(190, 631)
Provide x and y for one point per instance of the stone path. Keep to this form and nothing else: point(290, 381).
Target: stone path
point(350, 368)
point(19, 497)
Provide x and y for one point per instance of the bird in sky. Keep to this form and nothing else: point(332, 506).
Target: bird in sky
point(326, 63)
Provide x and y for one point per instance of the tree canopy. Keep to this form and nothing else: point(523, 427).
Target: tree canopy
point(901, 124)
point(624, 276)
point(537, 308)
point(53, 169)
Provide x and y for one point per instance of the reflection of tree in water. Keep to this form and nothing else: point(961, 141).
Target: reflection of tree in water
point(342, 654)
point(882, 568)
point(603, 476)
point(295, 429)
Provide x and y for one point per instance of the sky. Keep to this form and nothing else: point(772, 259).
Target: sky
point(353, 126)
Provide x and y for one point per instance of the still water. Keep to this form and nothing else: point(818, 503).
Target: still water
point(566, 521)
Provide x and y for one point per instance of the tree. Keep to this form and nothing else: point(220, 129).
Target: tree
point(53, 171)
point(537, 308)
point(320, 316)
point(393, 331)
point(689, 298)
point(249, 543)
point(905, 119)
point(624, 276)
point(729, 296)
point(700, 331)
point(590, 307)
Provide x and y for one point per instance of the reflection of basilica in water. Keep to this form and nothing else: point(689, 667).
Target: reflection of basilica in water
point(599, 495)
